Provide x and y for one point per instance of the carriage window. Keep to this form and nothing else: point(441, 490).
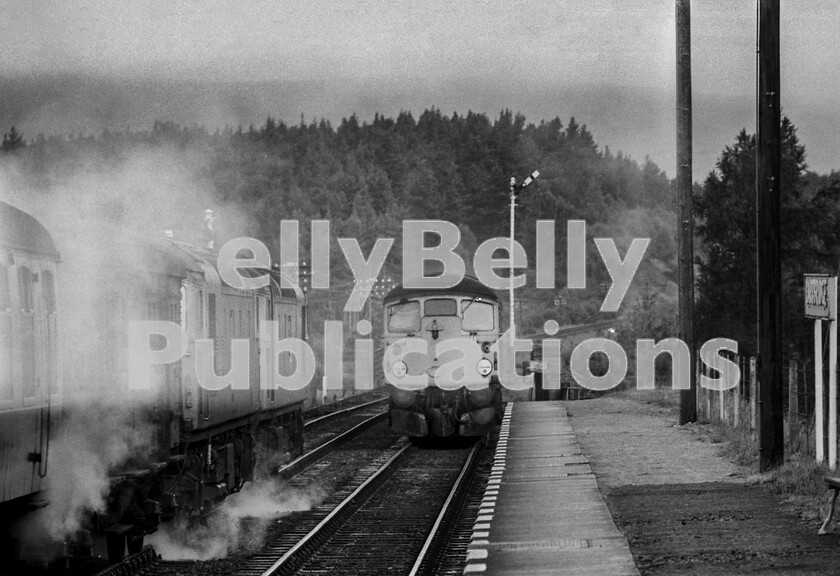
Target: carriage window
point(183, 307)
point(199, 313)
point(441, 307)
point(404, 317)
point(303, 327)
point(476, 315)
point(5, 293)
point(25, 288)
point(211, 314)
point(6, 389)
point(49, 291)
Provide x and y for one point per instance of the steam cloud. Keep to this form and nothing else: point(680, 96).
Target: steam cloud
point(224, 532)
point(83, 460)
point(98, 212)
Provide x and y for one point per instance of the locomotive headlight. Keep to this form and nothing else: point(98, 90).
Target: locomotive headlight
point(484, 367)
point(399, 368)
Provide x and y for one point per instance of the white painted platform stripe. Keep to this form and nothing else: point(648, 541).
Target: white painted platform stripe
point(479, 540)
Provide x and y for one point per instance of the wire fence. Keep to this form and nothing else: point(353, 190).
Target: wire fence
point(738, 406)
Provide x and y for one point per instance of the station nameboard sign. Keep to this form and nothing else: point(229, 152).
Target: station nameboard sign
point(821, 296)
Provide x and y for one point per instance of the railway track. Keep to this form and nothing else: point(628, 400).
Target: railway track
point(452, 559)
point(397, 518)
point(331, 416)
point(309, 458)
point(396, 512)
point(300, 474)
point(325, 427)
point(396, 522)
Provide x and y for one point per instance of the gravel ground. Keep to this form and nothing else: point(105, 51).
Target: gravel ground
point(633, 443)
point(683, 508)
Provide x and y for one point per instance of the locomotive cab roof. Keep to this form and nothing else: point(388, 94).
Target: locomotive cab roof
point(20, 231)
point(468, 286)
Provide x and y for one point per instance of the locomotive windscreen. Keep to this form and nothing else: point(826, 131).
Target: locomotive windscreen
point(404, 317)
point(476, 315)
point(440, 307)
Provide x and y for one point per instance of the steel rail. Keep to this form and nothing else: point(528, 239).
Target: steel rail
point(306, 460)
point(432, 545)
point(331, 415)
point(319, 530)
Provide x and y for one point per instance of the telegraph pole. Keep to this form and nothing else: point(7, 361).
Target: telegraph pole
point(688, 398)
point(768, 219)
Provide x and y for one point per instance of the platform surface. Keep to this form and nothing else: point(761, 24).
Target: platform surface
point(542, 513)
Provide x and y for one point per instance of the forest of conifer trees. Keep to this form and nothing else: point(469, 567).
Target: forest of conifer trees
point(367, 177)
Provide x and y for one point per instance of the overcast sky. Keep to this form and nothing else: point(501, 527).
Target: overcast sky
point(610, 63)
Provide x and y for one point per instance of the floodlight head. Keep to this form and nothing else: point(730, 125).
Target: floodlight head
point(531, 177)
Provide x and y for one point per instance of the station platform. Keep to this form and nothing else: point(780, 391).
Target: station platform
point(542, 512)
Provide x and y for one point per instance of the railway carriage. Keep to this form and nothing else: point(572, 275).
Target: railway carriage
point(30, 392)
point(173, 449)
point(468, 310)
point(205, 443)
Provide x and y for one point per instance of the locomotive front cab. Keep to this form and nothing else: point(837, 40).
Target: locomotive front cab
point(437, 388)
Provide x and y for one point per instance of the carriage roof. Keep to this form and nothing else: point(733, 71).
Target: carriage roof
point(20, 231)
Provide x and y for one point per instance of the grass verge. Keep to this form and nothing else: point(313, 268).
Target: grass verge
point(799, 480)
point(660, 397)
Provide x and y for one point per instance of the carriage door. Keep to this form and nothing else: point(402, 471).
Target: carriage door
point(26, 296)
point(6, 356)
point(46, 357)
point(36, 302)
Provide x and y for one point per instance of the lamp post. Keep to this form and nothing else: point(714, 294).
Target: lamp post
point(514, 192)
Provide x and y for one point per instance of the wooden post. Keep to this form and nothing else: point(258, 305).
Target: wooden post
point(698, 392)
point(736, 402)
point(793, 402)
point(819, 421)
point(768, 239)
point(688, 403)
point(832, 394)
point(753, 394)
point(709, 403)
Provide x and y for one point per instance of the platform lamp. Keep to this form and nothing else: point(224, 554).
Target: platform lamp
point(515, 189)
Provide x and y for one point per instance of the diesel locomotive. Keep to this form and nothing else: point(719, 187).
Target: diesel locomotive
point(419, 328)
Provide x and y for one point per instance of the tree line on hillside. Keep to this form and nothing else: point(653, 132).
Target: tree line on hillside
point(367, 177)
